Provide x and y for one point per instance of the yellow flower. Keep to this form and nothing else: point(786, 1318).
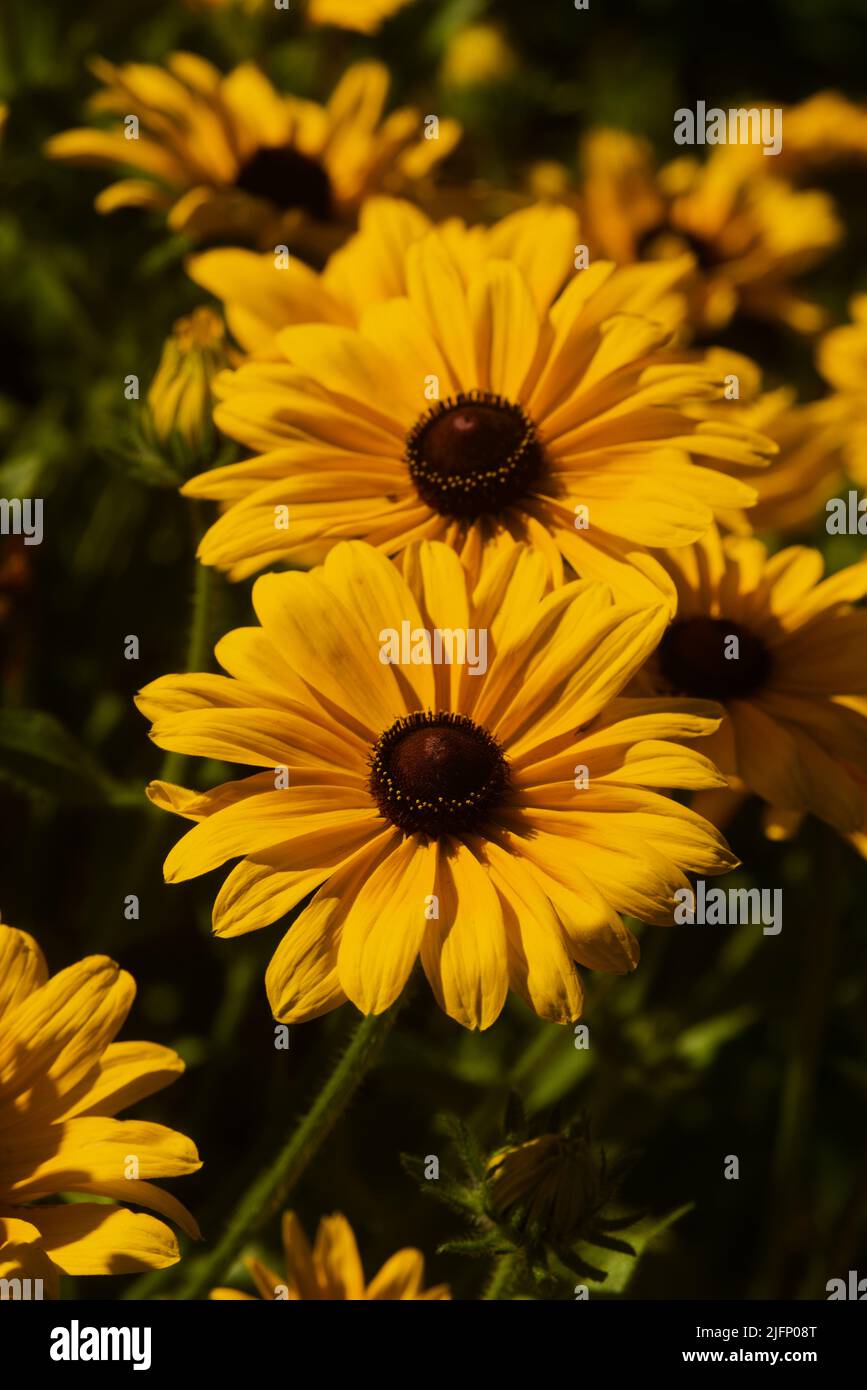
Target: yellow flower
point(332, 1270)
point(474, 410)
point(794, 487)
point(231, 157)
point(476, 56)
point(180, 397)
point(824, 129)
point(555, 1177)
point(750, 232)
point(62, 1081)
point(842, 360)
point(435, 809)
point(262, 294)
point(365, 16)
point(784, 654)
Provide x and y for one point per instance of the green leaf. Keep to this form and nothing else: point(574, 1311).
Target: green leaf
point(618, 1266)
point(38, 754)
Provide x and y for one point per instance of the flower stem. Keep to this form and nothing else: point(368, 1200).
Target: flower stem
point(502, 1279)
point(269, 1191)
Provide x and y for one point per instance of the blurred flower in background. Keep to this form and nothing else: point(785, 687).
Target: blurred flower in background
point(229, 157)
point(751, 233)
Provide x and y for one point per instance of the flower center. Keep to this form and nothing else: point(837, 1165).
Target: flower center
point(473, 453)
point(698, 657)
point(288, 179)
point(437, 774)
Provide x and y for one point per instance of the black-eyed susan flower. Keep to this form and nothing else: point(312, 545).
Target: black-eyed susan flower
point(63, 1080)
point(493, 818)
point(807, 469)
point(842, 360)
point(750, 232)
point(332, 1270)
point(230, 157)
point(180, 399)
point(469, 411)
point(783, 651)
point(262, 293)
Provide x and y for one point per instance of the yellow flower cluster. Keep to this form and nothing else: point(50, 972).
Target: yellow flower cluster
point(510, 431)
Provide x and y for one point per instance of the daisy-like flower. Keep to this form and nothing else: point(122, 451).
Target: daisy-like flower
point(749, 232)
point(443, 810)
point(793, 489)
point(229, 157)
point(842, 360)
point(469, 411)
point(63, 1080)
point(783, 651)
point(332, 1269)
point(262, 294)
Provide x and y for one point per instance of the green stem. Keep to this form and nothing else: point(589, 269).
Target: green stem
point(269, 1191)
point(502, 1279)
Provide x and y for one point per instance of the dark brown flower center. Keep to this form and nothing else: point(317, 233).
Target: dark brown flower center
point(698, 656)
point(437, 774)
point(288, 179)
point(473, 453)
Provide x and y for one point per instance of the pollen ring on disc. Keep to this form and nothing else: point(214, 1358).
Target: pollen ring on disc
point(437, 774)
point(472, 454)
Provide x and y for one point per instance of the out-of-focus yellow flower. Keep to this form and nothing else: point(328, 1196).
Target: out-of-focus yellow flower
point(554, 1178)
point(749, 231)
point(842, 360)
point(549, 179)
point(365, 16)
point(4, 117)
point(477, 56)
point(332, 1271)
point(230, 157)
point(180, 397)
point(793, 488)
point(62, 1082)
